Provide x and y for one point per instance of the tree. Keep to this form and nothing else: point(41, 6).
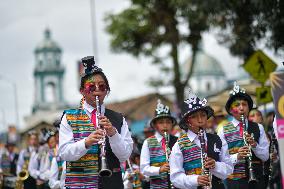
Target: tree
point(243, 24)
point(149, 26)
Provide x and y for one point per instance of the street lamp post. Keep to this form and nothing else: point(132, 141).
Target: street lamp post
point(16, 98)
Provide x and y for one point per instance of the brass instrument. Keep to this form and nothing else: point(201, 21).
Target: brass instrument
point(22, 176)
point(204, 171)
point(252, 177)
point(166, 136)
point(104, 170)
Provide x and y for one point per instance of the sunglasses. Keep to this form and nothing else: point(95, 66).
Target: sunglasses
point(91, 88)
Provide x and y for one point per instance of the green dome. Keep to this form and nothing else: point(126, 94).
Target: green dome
point(205, 65)
point(47, 45)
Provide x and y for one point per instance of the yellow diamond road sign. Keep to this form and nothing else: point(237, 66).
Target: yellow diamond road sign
point(259, 66)
point(263, 95)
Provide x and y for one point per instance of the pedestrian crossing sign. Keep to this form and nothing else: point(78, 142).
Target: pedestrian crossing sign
point(259, 66)
point(263, 95)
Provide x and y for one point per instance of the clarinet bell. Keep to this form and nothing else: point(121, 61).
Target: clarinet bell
point(104, 171)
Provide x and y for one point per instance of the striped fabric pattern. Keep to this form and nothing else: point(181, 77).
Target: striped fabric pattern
point(235, 141)
point(59, 165)
point(157, 159)
point(82, 173)
point(136, 182)
point(191, 154)
point(5, 164)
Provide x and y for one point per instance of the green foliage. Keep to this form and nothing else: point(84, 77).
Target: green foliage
point(149, 27)
point(243, 24)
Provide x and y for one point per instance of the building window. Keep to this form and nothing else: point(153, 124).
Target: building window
point(50, 93)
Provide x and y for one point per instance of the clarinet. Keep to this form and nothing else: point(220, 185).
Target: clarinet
point(252, 177)
point(132, 172)
point(271, 151)
point(104, 171)
point(205, 171)
point(167, 158)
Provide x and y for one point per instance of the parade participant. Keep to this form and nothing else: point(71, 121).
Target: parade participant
point(197, 154)
point(156, 149)
point(238, 132)
point(82, 131)
point(40, 161)
point(24, 159)
point(57, 174)
point(8, 164)
point(255, 116)
point(56, 124)
point(56, 177)
point(133, 178)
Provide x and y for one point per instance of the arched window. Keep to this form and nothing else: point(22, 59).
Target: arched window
point(50, 93)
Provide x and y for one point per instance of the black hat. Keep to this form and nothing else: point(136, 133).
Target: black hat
point(162, 111)
point(191, 105)
point(10, 144)
point(237, 93)
point(46, 134)
point(90, 66)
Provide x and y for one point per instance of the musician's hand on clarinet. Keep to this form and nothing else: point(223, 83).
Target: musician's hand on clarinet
point(209, 163)
point(243, 152)
point(250, 140)
point(106, 124)
point(130, 178)
point(203, 180)
point(94, 138)
point(165, 168)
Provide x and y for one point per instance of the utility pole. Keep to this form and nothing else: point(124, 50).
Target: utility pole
point(93, 30)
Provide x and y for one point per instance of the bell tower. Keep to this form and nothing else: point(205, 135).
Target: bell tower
point(48, 75)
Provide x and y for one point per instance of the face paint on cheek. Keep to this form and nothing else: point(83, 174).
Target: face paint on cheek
point(234, 107)
point(88, 87)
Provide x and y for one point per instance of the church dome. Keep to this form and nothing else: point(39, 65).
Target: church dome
point(47, 45)
point(205, 65)
point(208, 76)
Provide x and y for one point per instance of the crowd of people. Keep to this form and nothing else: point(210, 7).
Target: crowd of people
point(91, 146)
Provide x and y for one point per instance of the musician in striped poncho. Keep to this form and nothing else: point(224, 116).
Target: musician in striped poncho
point(185, 159)
point(153, 161)
point(81, 131)
point(239, 104)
